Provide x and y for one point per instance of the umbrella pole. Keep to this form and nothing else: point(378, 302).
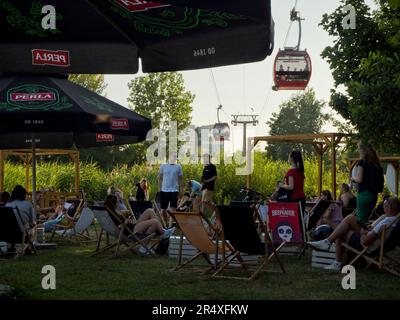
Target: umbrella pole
point(34, 173)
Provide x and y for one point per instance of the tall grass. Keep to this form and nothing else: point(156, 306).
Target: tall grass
point(95, 181)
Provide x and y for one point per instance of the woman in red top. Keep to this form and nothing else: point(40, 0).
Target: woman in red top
point(294, 179)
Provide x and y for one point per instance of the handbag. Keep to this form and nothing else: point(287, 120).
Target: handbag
point(284, 195)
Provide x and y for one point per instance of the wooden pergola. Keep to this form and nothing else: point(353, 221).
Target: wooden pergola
point(26, 157)
point(394, 160)
point(321, 143)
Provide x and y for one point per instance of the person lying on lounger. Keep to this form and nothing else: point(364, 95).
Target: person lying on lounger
point(147, 223)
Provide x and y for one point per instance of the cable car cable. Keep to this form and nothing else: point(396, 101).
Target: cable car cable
point(215, 87)
point(284, 45)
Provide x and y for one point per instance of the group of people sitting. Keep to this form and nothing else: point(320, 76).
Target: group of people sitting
point(60, 213)
point(346, 204)
point(358, 234)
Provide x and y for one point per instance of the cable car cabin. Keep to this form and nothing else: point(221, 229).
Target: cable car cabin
point(292, 70)
point(221, 131)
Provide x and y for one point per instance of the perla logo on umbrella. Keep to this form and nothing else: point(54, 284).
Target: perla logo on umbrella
point(34, 97)
point(138, 5)
point(119, 124)
point(57, 58)
point(39, 96)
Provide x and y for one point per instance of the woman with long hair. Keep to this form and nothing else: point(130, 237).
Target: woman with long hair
point(142, 193)
point(294, 179)
point(368, 178)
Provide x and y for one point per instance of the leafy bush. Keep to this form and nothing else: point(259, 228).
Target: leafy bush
point(95, 181)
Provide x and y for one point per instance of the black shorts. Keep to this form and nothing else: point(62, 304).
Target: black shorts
point(355, 241)
point(169, 198)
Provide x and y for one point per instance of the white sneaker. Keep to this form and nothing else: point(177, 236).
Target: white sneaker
point(143, 250)
point(335, 266)
point(168, 232)
point(323, 245)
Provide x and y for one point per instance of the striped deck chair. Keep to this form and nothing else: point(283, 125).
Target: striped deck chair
point(192, 226)
point(239, 228)
point(78, 228)
point(121, 232)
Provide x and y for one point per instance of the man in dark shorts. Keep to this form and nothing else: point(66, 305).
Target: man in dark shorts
point(170, 180)
point(208, 182)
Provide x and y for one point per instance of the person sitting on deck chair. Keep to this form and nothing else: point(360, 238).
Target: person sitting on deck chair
point(333, 215)
point(184, 203)
point(147, 223)
point(18, 199)
point(63, 215)
point(356, 234)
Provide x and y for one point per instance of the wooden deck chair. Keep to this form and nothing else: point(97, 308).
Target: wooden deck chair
point(119, 231)
point(12, 230)
point(240, 230)
point(316, 213)
point(157, 209)
point(380, 256)
point(85, 220)
point(192, 226)
point(138, 207)
point(73, 212)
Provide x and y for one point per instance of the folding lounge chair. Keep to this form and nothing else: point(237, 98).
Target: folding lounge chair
point(12, 230)
point(317, 212)
point(157, 209)
point(240, 230)
point(192, 227)
point(380, 256)
point(138, 207)
point(77, 229)
point(118, 231)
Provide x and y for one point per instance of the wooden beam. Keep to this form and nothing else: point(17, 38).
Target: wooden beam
point(77, 172)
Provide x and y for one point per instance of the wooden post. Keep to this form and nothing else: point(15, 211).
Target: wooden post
point(248, 181)
point(396, 176)
point(26, 164)
point(77, 172)
point(1, 171)
point(318, 150)
point(333, 164)
point(251, 144)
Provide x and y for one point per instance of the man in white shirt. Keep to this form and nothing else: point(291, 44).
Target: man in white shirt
point(170, 182)
point(358, 235)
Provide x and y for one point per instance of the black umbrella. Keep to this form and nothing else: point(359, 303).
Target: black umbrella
point(109, 36)
point(51, 112)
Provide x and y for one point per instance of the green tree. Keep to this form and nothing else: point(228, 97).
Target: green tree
point(92, 82)
point(161, 97)
point(300, 114)
point(366, 62)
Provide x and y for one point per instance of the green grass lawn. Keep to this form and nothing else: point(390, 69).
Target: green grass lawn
point(80, 276)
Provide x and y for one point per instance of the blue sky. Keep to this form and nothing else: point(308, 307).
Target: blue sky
point(245, 87)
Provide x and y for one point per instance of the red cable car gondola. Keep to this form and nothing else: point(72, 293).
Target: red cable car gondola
point(221, 130)
point(292, 67)
point(292, 70)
